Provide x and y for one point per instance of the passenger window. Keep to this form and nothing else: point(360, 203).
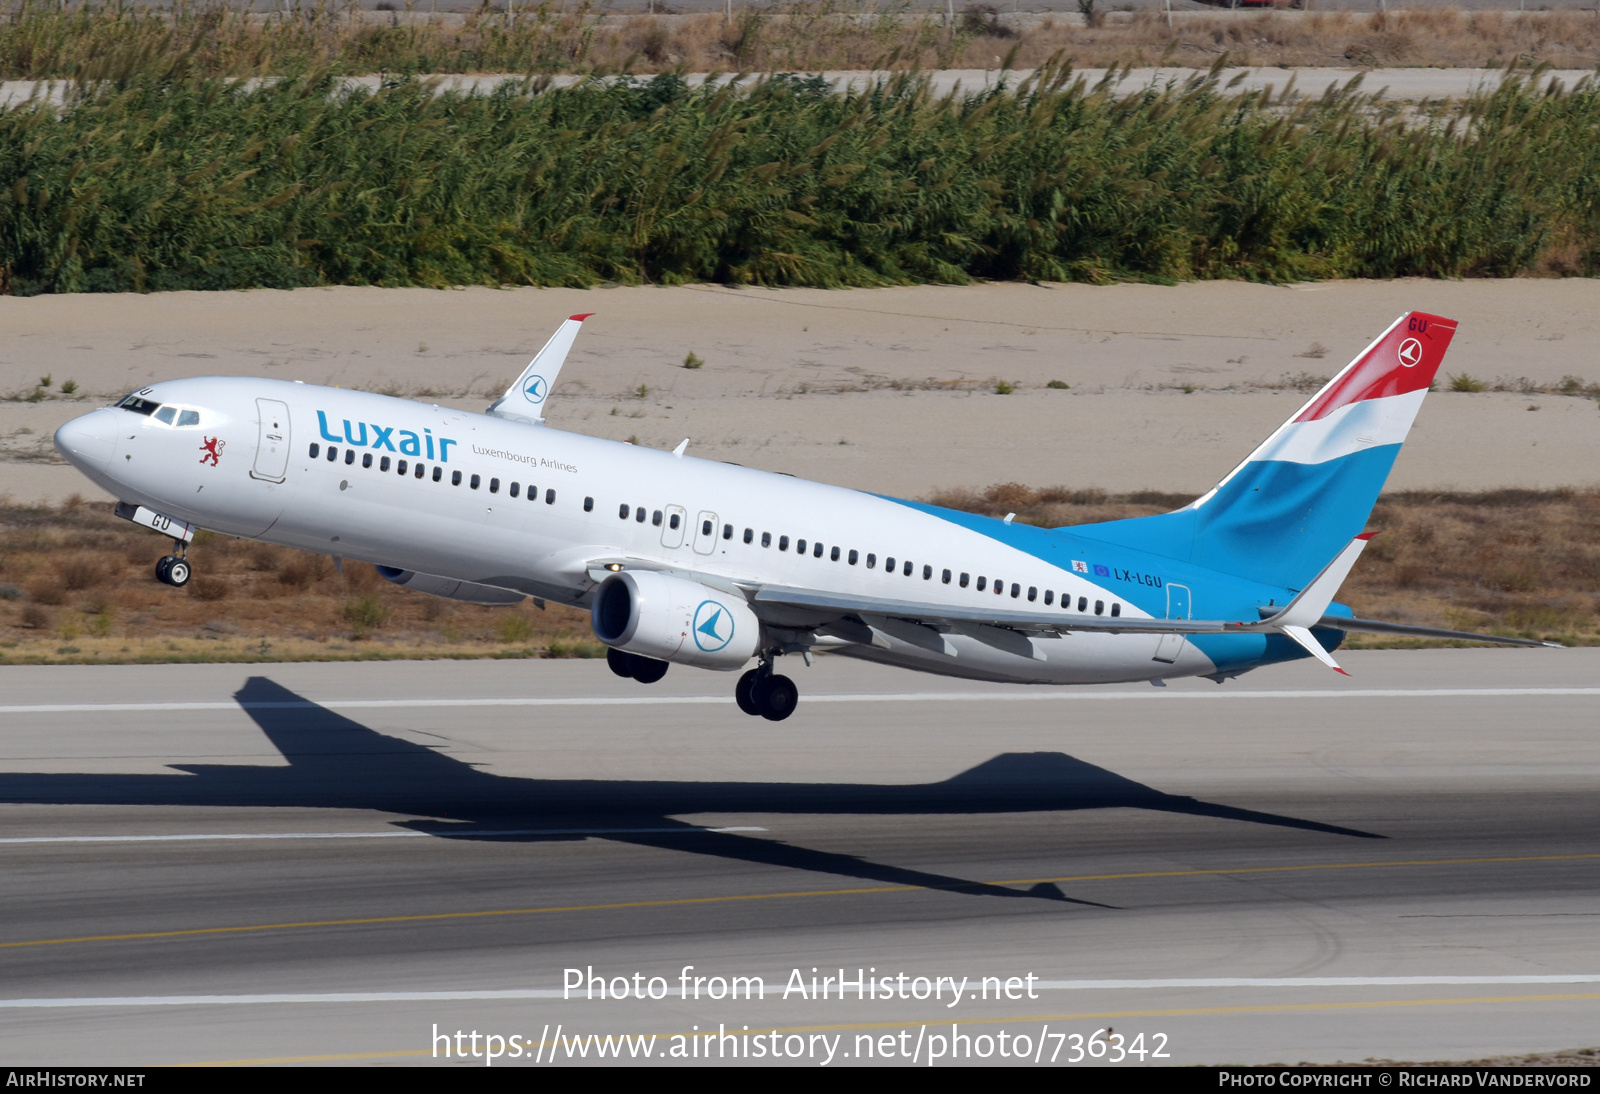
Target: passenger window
point(166, 414)
point(333, 453)
point(999, 588)
point(419, 472)
point(1116, 609)
point(749, 534)
point(907, 570)
point(816, 552)
point(1099, 607)
point(945, 577)
point(550, 496)
point(705, 528)
point(349, 455)
point(888, 565)
point(624, 512)
point(872, 560)
point(402, 468)
point(655, 518)
point(639, 514)
point(474, 481)
point(1016, 590)
point(982, 581)
point(783, 543)
point(854, 556)
point(438, 473)
point(672, 522)
point(799, 546)
point(588, 503)
point(963, 581)
point(515, 489)
point(766, 539)
point(494, 486)
point(1049, 596)
point(366, 459)
point(189, 417)
point(927, 573)
point(316, 450)
point(383, 464)
point(1083, 603)
point(727, 531)
point(833, 555)
point(1033, 592)
point(455, 478)
point(533, 492)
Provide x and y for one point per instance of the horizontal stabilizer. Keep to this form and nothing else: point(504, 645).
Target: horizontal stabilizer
point(1309, 643)
point(524, 400)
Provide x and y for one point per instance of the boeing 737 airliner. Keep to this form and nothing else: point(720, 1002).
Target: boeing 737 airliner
point(696, 562)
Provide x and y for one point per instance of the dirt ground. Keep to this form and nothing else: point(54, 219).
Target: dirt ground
point(889, 390)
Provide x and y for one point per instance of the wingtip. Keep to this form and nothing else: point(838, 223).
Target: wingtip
point(580, 318)
point(1340, 671)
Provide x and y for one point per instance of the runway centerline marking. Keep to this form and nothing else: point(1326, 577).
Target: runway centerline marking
point(193, 932)
point(1030, 696)
point(943, 1020)
point(490, 995)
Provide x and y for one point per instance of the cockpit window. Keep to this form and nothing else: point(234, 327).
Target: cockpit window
point(189, 417)
point(138, 404)
point(166, 414)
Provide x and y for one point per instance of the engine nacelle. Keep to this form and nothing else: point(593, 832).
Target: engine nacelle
point(448, 587)
point(671, 619)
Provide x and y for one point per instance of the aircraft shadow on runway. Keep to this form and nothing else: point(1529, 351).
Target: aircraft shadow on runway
point(337, 763)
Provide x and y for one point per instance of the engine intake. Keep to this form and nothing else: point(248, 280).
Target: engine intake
point(448, 587)
point(671, 619)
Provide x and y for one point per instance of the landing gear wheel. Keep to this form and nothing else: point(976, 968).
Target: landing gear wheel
point(178, 573)
point(744, 692)
point(162, 567)
point(647, 670)
point(775, 697)
point(621, 663)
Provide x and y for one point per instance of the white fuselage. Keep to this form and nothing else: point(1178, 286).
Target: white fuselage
point(541, 511)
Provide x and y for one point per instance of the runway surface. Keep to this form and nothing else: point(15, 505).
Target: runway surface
point(335, 862)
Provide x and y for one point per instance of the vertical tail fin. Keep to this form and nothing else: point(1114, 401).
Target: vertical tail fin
point(1308, 489)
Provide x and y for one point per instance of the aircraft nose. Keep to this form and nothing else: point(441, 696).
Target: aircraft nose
point(89, 441)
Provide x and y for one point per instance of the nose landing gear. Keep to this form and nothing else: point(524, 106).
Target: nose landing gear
point(762, 692)
point(174, 569)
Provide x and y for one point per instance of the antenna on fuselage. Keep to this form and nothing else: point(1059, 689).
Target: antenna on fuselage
point(524, 400)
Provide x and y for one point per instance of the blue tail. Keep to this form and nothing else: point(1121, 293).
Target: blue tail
point(1299, 499)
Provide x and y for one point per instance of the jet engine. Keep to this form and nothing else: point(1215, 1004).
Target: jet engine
point(448, 587)
point(671, 619)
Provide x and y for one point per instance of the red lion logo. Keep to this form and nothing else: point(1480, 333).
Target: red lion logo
point(213, 450)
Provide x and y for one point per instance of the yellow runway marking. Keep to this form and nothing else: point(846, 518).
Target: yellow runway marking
point(1177, 1012)
point(192, 932)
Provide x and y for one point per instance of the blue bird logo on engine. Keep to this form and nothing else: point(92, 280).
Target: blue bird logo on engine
point(535, 389)
point(713, 626)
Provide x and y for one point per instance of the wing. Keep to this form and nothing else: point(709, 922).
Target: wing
point(1378, 626)
point(524, 400)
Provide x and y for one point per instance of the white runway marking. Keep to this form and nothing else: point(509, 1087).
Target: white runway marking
point(1051, 695)
point(486, 833)
point(310, 998)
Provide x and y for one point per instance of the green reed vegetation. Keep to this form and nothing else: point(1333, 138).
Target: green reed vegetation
point(161, 180)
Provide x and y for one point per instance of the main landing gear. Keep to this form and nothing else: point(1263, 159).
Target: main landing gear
point(630, 666)
point(761, 691)
point(174, 569)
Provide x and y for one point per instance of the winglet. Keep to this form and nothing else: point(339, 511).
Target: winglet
point(524, 400)
point(1307, 608)
point(1309, 643)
